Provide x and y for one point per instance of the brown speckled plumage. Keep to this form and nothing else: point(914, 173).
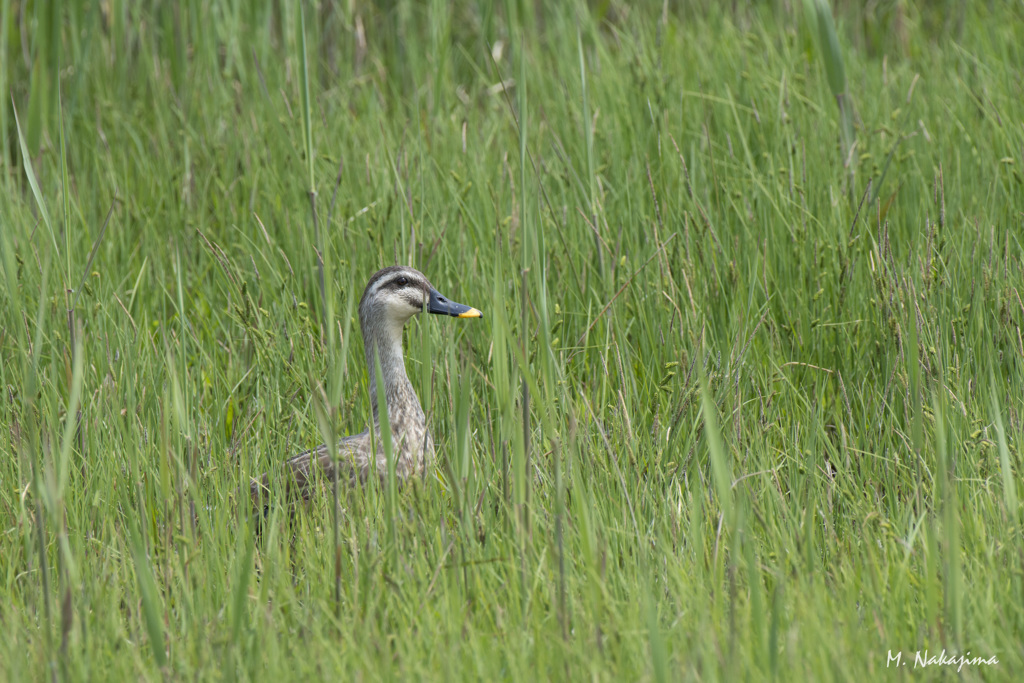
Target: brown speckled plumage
point(392, 296)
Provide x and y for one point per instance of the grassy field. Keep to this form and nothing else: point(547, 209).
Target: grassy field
point(748, 398)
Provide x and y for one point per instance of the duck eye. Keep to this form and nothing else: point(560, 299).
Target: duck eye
point(402, 281)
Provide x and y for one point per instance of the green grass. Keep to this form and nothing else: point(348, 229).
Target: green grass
point(743, 406)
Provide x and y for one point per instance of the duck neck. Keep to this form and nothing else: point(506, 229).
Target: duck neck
point(386, 345)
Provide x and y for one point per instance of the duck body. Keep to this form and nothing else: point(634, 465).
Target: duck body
point(392, 296)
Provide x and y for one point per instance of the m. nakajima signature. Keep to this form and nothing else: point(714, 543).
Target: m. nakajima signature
point(924, 659)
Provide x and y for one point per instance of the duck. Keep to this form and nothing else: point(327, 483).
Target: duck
point(392, 297)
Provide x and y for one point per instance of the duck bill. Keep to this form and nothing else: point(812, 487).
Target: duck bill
point(442, 306)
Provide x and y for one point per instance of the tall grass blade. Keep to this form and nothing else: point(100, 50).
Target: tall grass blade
point(309, 153)
point(149, 595)
point(33, 183)
point(721, 469)
point(588, 136)
point(953, 592)
point(659, 655)
point(240, 592)
point(65, 192)
point(1009, 480)
point(819, 14)
point(307, 116)
point(5, 22)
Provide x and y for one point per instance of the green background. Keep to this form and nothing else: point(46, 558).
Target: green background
point(746, 403)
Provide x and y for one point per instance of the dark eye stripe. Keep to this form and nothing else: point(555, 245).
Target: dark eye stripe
point(399, 282)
